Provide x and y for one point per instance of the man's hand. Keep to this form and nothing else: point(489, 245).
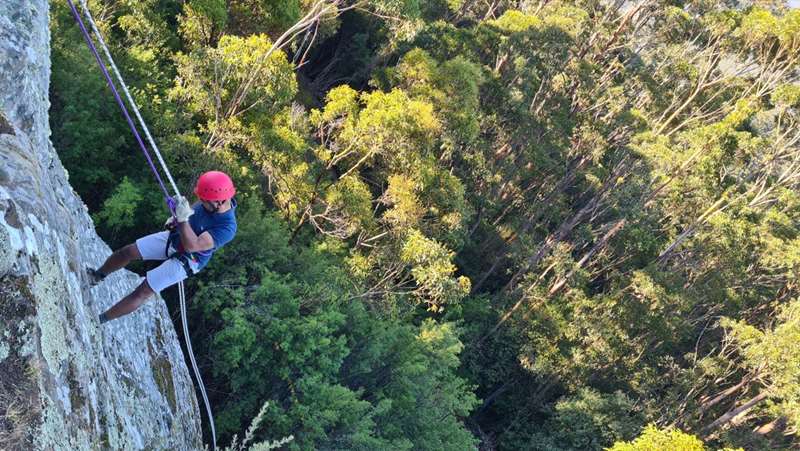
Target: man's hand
point(170, 223)
point(183, 210)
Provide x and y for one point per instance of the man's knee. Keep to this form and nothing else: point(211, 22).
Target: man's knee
point(143, 291)
point(145, 288)
point(131, 252)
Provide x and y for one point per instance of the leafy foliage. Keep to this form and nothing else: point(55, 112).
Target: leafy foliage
point(655, 439)
point(512, 225)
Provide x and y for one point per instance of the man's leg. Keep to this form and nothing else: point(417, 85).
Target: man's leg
point(129, 303)
point(120, 259)
point(150, 247)
point(168, 273)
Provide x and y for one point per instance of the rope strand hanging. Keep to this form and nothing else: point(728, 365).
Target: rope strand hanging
point(128, 96)
point(168, 199)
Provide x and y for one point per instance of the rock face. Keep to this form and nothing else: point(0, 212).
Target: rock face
point(67, 383)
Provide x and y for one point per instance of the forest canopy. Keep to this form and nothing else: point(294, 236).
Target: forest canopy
point(511, 225)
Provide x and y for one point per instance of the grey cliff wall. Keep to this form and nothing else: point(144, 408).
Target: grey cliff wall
point(66, 383)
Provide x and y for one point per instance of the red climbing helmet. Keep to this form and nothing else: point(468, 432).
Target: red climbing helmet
point(214, 185)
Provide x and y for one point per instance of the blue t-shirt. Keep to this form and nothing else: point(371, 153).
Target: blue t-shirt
point(221, 226)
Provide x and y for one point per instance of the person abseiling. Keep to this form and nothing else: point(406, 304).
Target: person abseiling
point(186, 247)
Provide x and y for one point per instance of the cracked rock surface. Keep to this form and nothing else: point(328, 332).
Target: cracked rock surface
point(67, 383)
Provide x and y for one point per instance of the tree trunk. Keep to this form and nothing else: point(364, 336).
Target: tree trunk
point(491, 398)
point(778, 423)
point(563, 230)
point(725, 394)
point(565, 182)
point(731, 414)
point(596, 248)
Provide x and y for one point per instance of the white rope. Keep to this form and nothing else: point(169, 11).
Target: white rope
point(152, 142)
point(181, 293)
point(182, 297)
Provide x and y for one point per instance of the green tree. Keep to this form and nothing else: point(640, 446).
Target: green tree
point(653, 439)
point(237, 84)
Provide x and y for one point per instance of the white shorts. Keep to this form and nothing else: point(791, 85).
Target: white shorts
point(154, 247)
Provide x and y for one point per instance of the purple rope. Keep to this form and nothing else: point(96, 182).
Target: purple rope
point(167, 198)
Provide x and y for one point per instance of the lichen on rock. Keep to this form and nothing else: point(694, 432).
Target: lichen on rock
point(66, 382)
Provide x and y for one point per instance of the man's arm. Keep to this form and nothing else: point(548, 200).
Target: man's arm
point(193, 243)
point(190, 241)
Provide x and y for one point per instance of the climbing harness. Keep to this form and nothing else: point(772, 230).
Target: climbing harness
point(180, 256)
point(170, 201)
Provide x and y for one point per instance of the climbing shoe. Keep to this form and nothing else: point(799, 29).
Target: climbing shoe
point(95, 276)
